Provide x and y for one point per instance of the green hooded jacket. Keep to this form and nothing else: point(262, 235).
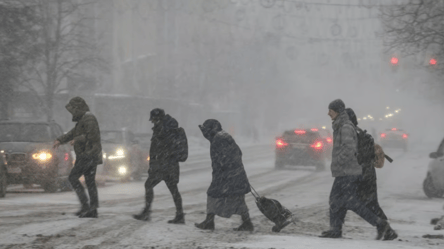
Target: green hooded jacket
point(86, 133)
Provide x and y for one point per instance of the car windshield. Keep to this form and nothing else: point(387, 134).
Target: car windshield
point(112, 137)
point(37, 133)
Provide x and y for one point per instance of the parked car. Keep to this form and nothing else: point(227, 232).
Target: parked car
point(394, 138)
point(3, 175)
point(328, 139)
point(433, 184)
point(123, 155)
point(30, 158)
point(304, 147)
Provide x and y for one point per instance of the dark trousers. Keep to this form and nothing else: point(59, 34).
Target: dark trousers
point(344, 197)
point(87, 168)
point(170, 175)
point(368, 191)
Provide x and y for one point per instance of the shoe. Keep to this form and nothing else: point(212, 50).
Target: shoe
point(333, 234)
point(207, 224)
point(89, 214)
point(179, 219)
point(84, 209)
point(246, 226)
point(382, 228)
point(145, 215)
point(434, 221)
point(390, 235)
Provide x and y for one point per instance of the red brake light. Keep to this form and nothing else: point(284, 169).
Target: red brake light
point(394, 60)
point(314, 129)
point(405, 136)
point(281, 143)
point(300, 132)
point(394, 129)
point(329, 140)
point(383, 135)
point(433, 61)
point(66, 156)
point(317, 145)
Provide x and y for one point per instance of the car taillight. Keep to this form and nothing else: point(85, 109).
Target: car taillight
point(66, 156)
point(383, 135)
point(394, 129)
point(300, 132)
point(317, 145)
point(281, 143)
point(405, 136)
point(329, 140)
point(314, 130)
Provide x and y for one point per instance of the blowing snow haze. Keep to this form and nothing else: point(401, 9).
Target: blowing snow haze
point(262, 68)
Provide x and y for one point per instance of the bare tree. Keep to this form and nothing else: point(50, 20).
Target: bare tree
point(68, 48)
point(415, 27)
point(17, 48)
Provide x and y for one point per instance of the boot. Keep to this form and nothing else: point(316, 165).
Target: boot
point(434, 221)
point(207, 224)
point(145, 215)
point(84, 209)
point(179, 219)
point(332, 233)
point(246, 224)
point(385, 232)
point(89, 214)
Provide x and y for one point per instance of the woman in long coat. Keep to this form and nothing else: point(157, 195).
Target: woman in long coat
point(226, 194)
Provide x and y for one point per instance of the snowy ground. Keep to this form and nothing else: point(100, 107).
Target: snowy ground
point(40, 220)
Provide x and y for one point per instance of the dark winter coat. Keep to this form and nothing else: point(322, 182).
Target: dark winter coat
point(229, 176)
point(345, 145)
point(162, 142)
point(86, 132)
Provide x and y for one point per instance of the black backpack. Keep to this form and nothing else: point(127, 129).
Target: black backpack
point(366, 147)
point(181, 144)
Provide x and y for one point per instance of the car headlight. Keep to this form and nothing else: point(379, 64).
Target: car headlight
point(120, 153)
point(42, 156)
point(148, 158)
point(122, 170)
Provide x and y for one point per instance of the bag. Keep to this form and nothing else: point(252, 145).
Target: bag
point(181, 145)
point(379, 157)
point(366, 147)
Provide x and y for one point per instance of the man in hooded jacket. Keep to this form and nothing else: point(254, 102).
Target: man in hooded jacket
point(347, 173)
point(85, 137)
point(164, 164)
point(226, 194)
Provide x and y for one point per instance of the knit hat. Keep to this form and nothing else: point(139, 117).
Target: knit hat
point(337, 105)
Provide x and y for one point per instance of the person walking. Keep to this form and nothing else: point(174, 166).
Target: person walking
point(226, 194)
point(164, 164)
point(347, 172)
point(85, 137)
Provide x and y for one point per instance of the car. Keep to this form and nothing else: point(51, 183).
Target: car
point(3, 175)
point(433, 184)
point(394, 138)
point(301, 147)
point(123, 155)
point(328, 138)
point(30, 157)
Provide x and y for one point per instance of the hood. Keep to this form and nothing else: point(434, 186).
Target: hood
point(210, 128)
point(341, 120)
point(23, 147)
point(170, 123)
point(77, 107)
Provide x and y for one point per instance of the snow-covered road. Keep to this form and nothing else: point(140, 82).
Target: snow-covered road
point(40, 220)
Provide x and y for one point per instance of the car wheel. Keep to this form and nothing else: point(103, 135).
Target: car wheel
point(3, 182)
point(279, 164)
point(50, 186)
point(430, 190)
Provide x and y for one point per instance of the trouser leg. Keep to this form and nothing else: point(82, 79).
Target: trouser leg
point(76, 173)
point(90, 179)
point(376, 209)
point(176, 197)
point(151, 182)
point(337, 218)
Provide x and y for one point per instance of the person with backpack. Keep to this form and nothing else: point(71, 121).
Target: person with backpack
point(168, 148)
point(229, 185)
point(347, 173)
point(367, 188)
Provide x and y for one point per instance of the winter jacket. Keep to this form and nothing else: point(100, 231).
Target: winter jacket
point(345, 145)
point(229, 176)
point(162, 141)
point(86, 132)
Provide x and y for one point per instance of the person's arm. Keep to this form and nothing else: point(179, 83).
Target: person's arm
point(63, 139)
point(347, 148)
point(92, 135)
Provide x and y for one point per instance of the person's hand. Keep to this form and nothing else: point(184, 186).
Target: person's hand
point(56, 144)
